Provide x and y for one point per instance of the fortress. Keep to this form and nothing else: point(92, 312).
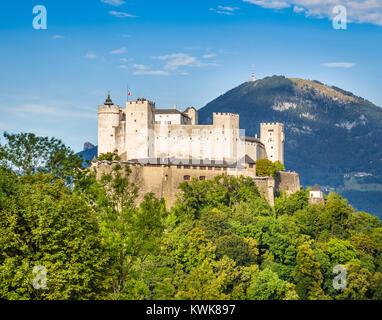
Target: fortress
point(167, 147)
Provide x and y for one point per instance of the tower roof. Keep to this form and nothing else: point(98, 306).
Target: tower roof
point(316, 187)
point(108, 101)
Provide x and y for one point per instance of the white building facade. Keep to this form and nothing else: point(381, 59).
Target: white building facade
point(140, 131)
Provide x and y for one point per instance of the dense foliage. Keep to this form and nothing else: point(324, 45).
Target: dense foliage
point(221, 240)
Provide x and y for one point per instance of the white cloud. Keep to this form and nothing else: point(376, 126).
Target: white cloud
point(57, 36)
point(122, 14)
point(90, 55)
point(140, 67)
point(118, 51)
point(228, 8)
point(209, 55)
point(115, 3)
point(338, 64)
point(271, 4)
point(177, 60)
point(151, 73)
point(358, 11)
point(229, 11)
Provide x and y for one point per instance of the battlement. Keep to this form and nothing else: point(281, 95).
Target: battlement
point(271, 124)
point(224, 114)
point(142, 101)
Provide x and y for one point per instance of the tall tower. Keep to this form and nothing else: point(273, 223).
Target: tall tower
point(109, 117)
point(253, 79)
point(272, 136)
point(140, 118)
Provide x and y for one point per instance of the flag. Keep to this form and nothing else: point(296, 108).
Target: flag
point(129, 93)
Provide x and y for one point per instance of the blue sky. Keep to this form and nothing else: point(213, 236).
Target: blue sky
point(172, 52)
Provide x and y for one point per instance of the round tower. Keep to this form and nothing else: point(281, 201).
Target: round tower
point(109, 117)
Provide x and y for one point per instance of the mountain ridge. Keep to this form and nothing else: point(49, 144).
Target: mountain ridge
point(330, 132)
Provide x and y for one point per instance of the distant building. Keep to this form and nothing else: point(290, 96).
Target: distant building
point(316, 195)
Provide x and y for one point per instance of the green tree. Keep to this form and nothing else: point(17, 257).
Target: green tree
point(307, 274)
point(45, 224)
point(266, 285)
point(27, 154)
point(131, 234)
point(266, 168)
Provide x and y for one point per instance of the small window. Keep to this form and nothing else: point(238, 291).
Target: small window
point(201, 178)
point(251, 165)
point(186, 178)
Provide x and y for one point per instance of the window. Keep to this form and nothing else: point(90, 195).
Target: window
point(201, 178)
point(186, 178)
point(251, 165)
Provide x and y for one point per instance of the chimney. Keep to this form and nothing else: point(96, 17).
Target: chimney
point(174, 106)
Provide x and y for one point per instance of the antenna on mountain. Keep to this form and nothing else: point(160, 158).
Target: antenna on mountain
point(253, 79)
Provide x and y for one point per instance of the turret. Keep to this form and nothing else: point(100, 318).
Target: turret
point(109, 116)
point(192, 114)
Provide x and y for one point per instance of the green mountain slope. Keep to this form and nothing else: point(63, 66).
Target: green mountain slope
point(331, 134)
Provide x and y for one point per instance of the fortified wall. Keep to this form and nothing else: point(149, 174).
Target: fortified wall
point(164, 179)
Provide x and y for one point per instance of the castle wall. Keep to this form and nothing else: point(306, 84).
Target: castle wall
point(288, 182)
point(164, 180)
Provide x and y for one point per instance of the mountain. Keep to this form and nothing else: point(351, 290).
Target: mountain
point(90, 151)
point(333, 137)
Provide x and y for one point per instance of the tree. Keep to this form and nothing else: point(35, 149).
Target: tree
point(27, 154)
point(341, 251)
point(129, 233)
point(285, 204)
point(45, 224)
point(266, 168)
point(243, 251)
point(266, 285)
point(358, 283)
point(307, 274)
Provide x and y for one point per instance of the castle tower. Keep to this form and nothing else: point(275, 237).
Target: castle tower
point(226, 136)
point(272, 136)
point(109, 117)
point(192, 113)
point(140, 136)
point(253, 79)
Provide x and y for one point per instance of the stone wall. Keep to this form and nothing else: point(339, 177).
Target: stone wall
point(287, 181)
point(164, 180)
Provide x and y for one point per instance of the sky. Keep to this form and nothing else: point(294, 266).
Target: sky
point(179, 52)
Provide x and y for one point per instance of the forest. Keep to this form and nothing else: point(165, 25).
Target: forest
point(64, 234)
